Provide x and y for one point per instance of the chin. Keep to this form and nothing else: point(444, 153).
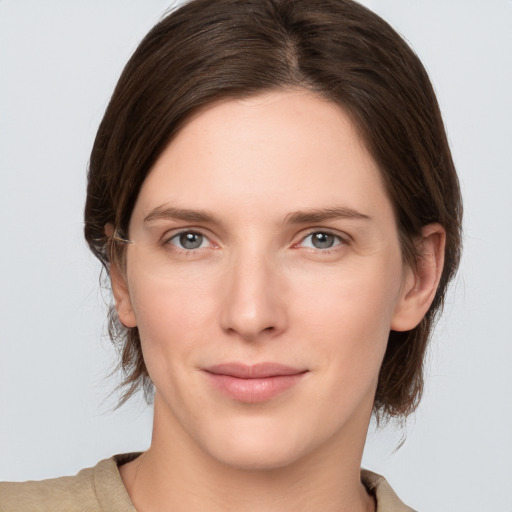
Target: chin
point(251, 458)
point(258, 447)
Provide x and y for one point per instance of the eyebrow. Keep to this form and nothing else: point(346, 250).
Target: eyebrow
point(169, 213)
point(323, 214)
point(298, 217)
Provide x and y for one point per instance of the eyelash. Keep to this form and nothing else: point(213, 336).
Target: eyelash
point(178, 235)
point(339, 241)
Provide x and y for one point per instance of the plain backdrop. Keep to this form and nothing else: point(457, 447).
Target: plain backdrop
point(59, 62)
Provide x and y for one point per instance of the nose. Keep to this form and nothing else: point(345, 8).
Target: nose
point(254, 305)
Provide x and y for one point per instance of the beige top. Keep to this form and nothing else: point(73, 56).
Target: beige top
point(100, 489)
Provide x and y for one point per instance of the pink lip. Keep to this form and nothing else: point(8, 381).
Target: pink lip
point(253, 383)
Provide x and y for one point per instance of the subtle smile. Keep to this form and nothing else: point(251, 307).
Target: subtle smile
point(253, 383)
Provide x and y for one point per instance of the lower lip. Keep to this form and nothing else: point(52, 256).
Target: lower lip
point(253, 391)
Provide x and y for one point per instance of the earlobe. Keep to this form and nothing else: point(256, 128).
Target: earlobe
point(421, 282)
point(120, 290)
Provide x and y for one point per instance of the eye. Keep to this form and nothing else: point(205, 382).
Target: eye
point(189, 240)
point(321, 240)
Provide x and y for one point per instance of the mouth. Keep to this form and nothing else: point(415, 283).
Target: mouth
point(253, 383)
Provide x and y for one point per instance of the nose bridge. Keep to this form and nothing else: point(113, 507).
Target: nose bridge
point(253, 304)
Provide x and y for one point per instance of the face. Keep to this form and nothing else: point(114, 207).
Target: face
point(264, 278)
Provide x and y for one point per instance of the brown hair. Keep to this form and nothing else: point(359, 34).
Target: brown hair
point(209, 50)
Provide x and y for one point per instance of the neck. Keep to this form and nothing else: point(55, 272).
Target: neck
point(175, 474)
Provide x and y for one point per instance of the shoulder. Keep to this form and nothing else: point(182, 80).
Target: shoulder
point(93, 489)
point(387, 500)
point(57, 493)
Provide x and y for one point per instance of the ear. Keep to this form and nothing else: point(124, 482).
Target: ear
point(120, 290)
point(421, 281)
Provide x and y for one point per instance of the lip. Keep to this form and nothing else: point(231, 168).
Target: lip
point(253, 383)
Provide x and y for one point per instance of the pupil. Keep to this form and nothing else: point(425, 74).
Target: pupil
point(191, 240)
point(323, 240)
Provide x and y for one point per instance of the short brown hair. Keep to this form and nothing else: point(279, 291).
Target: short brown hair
point(209, 50)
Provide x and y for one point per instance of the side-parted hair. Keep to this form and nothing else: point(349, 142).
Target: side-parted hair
point(211, 50)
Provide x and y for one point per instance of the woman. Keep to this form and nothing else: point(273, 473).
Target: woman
point(272, 194)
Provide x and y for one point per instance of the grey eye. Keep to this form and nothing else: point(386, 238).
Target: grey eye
point(188, 240)
point(322, 240)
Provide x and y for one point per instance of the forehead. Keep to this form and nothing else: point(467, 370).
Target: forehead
point(278, 151)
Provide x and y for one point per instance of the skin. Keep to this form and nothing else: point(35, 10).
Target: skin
point(260, 288)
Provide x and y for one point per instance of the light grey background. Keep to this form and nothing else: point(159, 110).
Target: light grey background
point(59, 62)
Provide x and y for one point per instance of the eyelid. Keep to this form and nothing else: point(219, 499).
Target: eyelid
point(343, 238)
point(330, 231)
point(175, 233)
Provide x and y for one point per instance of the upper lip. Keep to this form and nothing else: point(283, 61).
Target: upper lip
point(255, 371)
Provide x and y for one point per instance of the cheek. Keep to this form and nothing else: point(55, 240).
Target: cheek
point(349, 314)
point(171, 314)
point(178, 300)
